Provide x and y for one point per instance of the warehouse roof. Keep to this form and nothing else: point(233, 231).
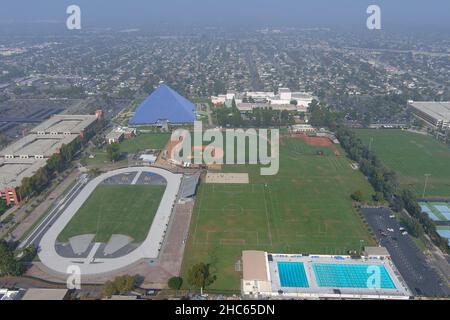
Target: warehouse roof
point(64, 124)
point(164, 104)
point(34, 144)
point(12, 171)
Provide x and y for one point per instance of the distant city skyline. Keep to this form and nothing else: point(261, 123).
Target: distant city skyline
point(411, 14)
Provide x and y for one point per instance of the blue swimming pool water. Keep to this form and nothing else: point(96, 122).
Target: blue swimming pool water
point(350, 275)
point(292, 274)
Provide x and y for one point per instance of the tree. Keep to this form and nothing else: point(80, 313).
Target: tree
point(113, 152)
point(25, 188)
point(3, 140)
point(3, 206)
point(357, 196)
point(9, 266)
point(378, 197)
point(108, 289)
point(175, 283)
point(120, 285)
point(199, 275)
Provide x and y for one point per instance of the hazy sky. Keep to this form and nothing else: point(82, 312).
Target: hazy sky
point(345, 13)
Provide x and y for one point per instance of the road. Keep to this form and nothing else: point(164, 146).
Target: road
point(36, 235)
point(412, 264)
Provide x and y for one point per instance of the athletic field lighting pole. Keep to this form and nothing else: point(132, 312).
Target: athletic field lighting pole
point(427, 175)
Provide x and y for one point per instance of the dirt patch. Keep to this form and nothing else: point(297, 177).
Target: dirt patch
point(316, 141)
point(313, 141)
point(227, 178)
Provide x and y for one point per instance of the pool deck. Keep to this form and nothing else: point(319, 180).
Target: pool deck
point(313, 290)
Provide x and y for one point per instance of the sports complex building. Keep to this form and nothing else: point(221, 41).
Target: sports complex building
point(164, 106)
point(105, 245)
point(435, 113)
point(27, 155)
point(308, 276)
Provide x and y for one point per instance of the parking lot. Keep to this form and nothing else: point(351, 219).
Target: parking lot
point(421, 278)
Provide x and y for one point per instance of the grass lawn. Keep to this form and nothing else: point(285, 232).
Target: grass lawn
point(412, 156)
point(116, 209)
point(145, 141)
point(306, 207)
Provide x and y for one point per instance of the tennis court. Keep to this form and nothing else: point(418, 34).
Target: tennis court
point(437, 211)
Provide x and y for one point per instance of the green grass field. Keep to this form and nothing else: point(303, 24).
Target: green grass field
point(116, 209)
point(306, 207)
point(412, 156)
point(145, 141)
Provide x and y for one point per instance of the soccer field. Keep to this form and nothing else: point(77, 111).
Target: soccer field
point(116, 209)
point(145, 141)
point(306, 207)
point(412, 156)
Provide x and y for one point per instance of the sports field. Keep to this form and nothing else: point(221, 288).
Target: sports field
point(145, 141)
point(412, 156)
point(306, 207)
point(116, 209)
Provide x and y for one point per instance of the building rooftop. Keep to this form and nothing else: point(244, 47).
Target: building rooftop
point(437, 110)
point(376, 251)
point(34, 144)
point(45, 294)
point(12, 171)
point(65, 124)
point(164, 104)
point(254, 265)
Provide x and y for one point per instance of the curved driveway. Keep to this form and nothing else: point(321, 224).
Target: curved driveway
point(148, 249)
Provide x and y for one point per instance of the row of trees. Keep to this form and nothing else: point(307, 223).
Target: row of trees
point(385, 182)
point(199, 276)
point(3, 206)
point(259, 117)
point(57, 163)
point(382, 179)
point(113, 152)
point(410, 203)
point(120, 285)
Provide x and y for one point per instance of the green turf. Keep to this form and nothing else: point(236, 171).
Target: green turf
point(412, 156)
point(306, 207)
point(145, 141)
point(116, 209)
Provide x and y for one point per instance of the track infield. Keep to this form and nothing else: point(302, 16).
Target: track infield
point(116, 209)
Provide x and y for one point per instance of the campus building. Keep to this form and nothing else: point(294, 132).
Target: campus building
point(283, 100)
point(24, 157)
point(435, 113)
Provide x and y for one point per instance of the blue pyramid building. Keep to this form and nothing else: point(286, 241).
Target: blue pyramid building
point(164, 104)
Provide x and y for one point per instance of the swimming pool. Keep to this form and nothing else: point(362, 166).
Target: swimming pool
point(350, 275)
point(292, 274)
